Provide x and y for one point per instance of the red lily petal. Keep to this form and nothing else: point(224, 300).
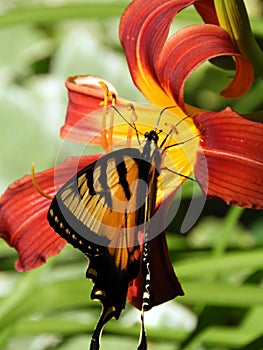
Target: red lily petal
point(206, 9)
point(185, 51)
point(23, 211)
point(85, 97)
point(159, 70)
point(232, 154)
point(164, 283)
point(86, 125)
point(143, 43)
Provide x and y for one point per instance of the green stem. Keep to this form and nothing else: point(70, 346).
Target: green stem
point(233, 17)
point(231, 220)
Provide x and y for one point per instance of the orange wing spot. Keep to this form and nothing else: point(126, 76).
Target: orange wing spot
point(135, 255)
point(120, 257)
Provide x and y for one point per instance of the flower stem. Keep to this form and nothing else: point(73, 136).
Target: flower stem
point(233, 17)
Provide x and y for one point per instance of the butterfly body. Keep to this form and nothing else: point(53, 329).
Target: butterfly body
point(105, 211)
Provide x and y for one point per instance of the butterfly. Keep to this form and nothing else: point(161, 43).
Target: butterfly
point(107, 211)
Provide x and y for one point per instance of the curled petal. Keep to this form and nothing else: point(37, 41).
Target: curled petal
point(23, 212)
point(143, 43)
point(159, 68)
point(185, 51)
point(232, 153)
point(243, 78)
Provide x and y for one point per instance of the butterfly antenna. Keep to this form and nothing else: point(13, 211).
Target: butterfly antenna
point(180, 143)
point(131, 124)
point(160, 115)
point(173, 127)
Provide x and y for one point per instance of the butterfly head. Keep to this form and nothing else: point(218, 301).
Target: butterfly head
point(151, 136)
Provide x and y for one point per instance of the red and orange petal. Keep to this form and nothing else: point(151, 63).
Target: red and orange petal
point(86, 96)
point(135, 32)
point(230, 165)
point(85, 124)
point(185, 51)
point(23, 212)
point(87, 128)
point(160, 68)
point(161, 269)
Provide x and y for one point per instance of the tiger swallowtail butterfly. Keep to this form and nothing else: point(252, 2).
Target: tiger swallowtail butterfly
point(106, 212)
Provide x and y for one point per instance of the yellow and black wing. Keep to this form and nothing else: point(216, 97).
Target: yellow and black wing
point(99, 211)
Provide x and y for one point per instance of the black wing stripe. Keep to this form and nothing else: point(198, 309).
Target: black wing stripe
point(103, 181)
point(122, 172)
point(89, 178)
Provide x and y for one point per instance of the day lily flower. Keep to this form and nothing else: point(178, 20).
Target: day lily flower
point(222, 149)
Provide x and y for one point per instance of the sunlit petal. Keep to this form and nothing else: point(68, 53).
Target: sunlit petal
point(125, 119)
point(159, 68)
point(143, 43)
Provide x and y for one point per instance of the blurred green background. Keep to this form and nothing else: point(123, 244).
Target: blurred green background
point(219, 262)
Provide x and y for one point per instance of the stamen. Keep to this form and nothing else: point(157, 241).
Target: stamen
point(160, 115)
point(132, 125)
point(34, 180)
point(106, 137)
point(172, 127)
point(110, 132)
point(104, 141)
point(113, 97)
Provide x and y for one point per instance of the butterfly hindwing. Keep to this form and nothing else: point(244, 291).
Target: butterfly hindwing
point(97, 212)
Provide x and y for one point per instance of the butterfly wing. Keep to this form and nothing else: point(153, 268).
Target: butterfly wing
point(97, 212)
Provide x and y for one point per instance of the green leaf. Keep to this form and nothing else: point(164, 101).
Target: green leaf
point(48, 14)
point(221, 294)
point(200, 267)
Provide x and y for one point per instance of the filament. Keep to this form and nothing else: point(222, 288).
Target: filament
point(34, 180)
